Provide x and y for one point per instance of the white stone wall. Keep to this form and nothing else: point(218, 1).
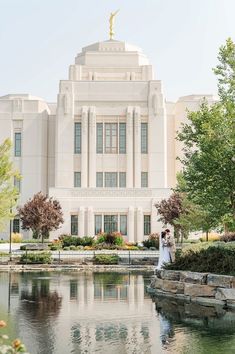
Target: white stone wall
point(110, 82)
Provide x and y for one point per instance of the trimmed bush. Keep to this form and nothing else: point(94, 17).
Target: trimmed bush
point(16, 237)
point(211, 237)
point(68, 240)
point(105, 259)
point(113, 238)
point(213, 258)
point(152, 241)
point(228, 237)
point(36, 258)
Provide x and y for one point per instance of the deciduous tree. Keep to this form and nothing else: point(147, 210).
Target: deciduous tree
point(41, 215)
point(209, 146)
point(8, 193)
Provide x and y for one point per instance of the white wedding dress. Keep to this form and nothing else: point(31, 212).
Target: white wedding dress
point(164, 255)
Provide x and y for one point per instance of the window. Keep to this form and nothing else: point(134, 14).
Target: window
point(110, 223)
point(17, 184)
point(144, 179)
point(110, 179)
point(17, 144)
point(147, 224)
point(122, 138)
point(123, 224)
point(122, 179)
point(77, 138)
point(16, 226)
point(77, 179)
point(99, 179)
point(74, 225)
point(98, 224)
point(110, 138)
point(99, 138)
point(144, 138)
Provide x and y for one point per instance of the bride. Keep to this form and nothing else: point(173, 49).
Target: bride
point(164, 251)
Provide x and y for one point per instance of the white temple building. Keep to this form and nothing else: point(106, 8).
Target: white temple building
point(106, 150)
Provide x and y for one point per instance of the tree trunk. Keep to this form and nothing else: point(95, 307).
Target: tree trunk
point(207, 236)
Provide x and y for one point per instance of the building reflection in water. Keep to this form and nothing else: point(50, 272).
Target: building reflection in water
point(84, 313)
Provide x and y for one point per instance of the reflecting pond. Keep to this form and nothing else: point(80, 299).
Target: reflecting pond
point(76, 312)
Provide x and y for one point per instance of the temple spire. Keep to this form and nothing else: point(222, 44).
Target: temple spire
point(111, 22)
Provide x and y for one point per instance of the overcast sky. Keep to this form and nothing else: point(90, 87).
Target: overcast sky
point(39, 39)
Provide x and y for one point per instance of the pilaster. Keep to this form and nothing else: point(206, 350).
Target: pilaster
point(84, 153)
point(129, 147)
point(131, 220)
point(81, 222)
point(90, 221)
point(92, 147)
point(140, 225)
point(137, 148)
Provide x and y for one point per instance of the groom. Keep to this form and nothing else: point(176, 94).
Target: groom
point(172, 247)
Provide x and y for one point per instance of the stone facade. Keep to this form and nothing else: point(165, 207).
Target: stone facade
point(106, 150)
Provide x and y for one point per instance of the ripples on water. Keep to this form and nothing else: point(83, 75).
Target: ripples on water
point(63, 313)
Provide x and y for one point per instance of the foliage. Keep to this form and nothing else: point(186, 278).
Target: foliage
point(16, 237)
point(41, 214)
point(36, 258)
point(105, 259)
point(213, 258)
point(68, 240)
point(8, 193)
point(171, 210)
point(152, 241)
point(228, 237)
point(211, 237)
point(15, 347)
point(113, 238)
point(209, 145)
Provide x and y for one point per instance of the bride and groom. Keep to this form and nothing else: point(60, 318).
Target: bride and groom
point(167, 248)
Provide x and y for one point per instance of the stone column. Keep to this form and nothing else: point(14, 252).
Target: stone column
point(90, 222)
point(84, 154)
point(137, 148)
point(140, 225)
point(129, 148)
point(131, 219)
point(92, 148)
point(81, 222)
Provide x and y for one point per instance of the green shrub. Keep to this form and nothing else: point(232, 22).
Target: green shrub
point(66, 248)
point(68, 240)
point(36, 258)
point(213, 258)
point(152, 241)
point(105, 259)
point(86, 241)
point(72, 248)
point(113, 238)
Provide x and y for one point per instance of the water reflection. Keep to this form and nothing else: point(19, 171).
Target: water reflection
point(70, 312)
point(82, 313)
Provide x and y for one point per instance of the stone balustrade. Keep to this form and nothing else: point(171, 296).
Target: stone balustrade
point(202, 288)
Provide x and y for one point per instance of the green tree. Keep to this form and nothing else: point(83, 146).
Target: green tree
point(209, 146)
point(8, 193)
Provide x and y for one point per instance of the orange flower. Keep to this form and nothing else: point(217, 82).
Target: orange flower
point(2, 324)
point(16, 343)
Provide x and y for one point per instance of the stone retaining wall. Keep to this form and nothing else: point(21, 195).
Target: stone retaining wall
point(203, 288)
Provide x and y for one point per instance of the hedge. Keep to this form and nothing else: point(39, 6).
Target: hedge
point(213, 258)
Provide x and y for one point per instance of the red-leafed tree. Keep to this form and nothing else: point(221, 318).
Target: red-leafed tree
point(170, 210)
point(41, 214)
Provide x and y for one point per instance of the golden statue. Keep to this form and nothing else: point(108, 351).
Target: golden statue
point(111, 22)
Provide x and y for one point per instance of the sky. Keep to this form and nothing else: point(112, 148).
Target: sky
point(39, 39)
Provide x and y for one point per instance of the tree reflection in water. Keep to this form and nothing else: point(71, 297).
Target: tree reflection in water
point(175, 314)
point(40, 302)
